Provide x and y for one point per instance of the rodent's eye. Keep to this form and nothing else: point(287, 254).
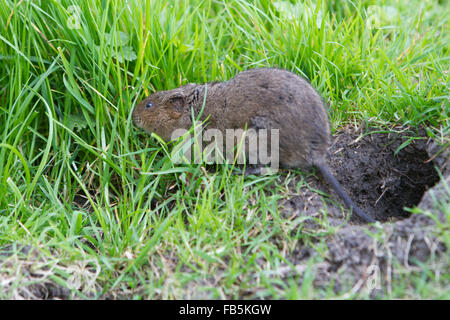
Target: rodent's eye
point(148, 105)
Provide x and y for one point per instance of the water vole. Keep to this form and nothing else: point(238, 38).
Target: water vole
point(265, 98)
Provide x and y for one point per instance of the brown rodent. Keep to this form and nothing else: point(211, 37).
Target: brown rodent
point(265, 98)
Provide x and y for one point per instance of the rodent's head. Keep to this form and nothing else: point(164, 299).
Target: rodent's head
point(163, 112)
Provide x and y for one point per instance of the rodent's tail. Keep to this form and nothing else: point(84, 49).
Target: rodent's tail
point(340, 191)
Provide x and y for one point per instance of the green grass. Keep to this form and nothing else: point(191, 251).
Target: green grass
point(153, 229)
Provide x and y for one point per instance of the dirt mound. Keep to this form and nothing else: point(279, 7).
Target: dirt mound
point(379, 180)
point(382, 183)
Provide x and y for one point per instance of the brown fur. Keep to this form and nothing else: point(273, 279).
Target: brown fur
point(264, 98)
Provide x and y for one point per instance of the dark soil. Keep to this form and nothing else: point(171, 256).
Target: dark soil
point(379, 182)
point(383, 184)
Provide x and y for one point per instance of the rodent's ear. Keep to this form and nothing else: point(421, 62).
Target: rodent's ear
point(177, 100)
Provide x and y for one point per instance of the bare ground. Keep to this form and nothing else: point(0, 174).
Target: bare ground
point(383, 184)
